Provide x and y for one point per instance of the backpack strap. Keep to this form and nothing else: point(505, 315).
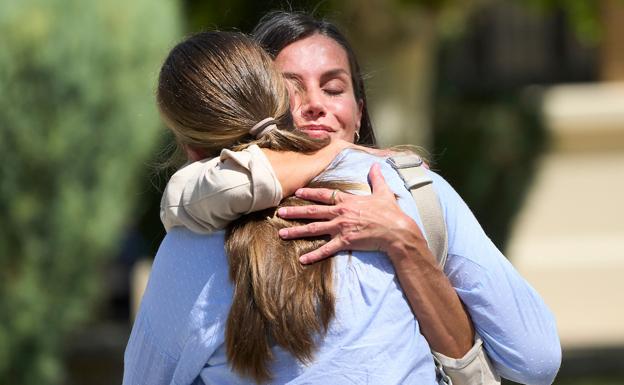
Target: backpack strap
point(416, 178)
point(412, 170)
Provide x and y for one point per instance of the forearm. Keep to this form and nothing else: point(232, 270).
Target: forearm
point(443, 320)
point(295, 170)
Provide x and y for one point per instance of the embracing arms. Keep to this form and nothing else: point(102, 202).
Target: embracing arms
point(515, 325)
point(367, 223)
point(206, 196)
point(376, 222)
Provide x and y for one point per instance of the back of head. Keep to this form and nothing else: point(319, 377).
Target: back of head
point(278, 29)
point(215, 86)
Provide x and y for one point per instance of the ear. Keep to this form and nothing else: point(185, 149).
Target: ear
point(360, 108)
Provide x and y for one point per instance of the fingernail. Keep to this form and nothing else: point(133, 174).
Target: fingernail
point(303, 260)
point(283, 233)
point(281, 211)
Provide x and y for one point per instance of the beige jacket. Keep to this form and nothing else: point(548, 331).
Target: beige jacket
point(205, 196)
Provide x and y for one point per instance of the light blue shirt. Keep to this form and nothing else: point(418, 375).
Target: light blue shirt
point(178, 335)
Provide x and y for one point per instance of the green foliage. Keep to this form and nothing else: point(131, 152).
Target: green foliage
point(77, 121)
point(584, 15)
point(487, 147)
point(243, 14)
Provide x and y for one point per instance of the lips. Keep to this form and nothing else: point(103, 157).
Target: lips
point(318, 131)
point(316, 127)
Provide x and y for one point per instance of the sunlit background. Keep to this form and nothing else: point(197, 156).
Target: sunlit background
point(520, 104)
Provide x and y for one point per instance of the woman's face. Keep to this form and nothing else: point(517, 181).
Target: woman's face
point(318, 76)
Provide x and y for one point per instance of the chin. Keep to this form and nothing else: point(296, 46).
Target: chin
point(318, 134)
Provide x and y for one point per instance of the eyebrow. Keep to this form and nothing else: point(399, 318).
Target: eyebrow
point(335, 73)
point(326, 75)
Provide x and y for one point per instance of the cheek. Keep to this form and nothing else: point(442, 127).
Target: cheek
point(347, 111)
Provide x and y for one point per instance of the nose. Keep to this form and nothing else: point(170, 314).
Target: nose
point(312, 107)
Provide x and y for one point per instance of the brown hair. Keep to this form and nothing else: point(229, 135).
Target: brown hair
point(276, 298)
point(278, 29)
point(213, 87)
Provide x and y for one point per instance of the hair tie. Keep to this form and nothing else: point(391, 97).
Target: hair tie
point(263, 127)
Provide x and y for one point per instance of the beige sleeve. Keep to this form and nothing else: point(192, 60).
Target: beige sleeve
point(206, 196)
point(474, 368)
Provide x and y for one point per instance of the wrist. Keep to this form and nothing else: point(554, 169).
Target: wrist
point(413, 253)
point(284, 164)
point(406, 242)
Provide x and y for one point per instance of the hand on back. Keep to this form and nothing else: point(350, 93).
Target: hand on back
point(354, 222)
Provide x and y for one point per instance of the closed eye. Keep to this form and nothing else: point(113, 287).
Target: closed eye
point(333, 92)
point(334, 87)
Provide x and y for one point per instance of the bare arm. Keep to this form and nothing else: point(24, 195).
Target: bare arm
point(295, 170)
point(442, 317)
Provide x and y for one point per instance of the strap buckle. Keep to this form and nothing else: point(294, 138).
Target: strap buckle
point(404, 161)
point(408, 168)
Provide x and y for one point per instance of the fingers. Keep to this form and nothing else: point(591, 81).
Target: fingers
point(377, 181)
point(310, 230)
point(321, 195)
point(327, 250)
point(307, 212)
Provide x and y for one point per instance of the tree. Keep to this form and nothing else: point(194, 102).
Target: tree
point(77, 120)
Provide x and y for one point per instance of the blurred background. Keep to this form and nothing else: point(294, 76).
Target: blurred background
point(519, 102)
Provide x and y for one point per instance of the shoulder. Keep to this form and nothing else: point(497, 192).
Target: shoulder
point(353, 159)
point(190, 272)
point(354, 165)
point(446, 192)
point(464, 231)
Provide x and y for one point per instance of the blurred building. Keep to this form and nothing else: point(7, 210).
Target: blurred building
point(568, 240)
point(569, 237)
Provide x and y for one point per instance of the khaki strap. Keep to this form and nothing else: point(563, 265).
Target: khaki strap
point(416, 179)
point(475, 367)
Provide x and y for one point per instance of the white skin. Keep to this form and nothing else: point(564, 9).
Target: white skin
point(323, 104)
point(322, 98)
